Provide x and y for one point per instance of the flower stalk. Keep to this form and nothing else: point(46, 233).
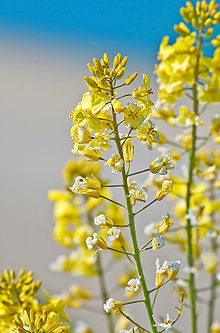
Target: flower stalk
point(189, 186)
point(132, 222)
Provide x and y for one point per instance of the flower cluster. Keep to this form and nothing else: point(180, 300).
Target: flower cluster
point(187, 70)
point(20, 311)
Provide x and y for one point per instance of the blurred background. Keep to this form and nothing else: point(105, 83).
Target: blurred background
point(44, 49)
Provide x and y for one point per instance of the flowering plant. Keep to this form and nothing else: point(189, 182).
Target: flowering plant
point(93, 224)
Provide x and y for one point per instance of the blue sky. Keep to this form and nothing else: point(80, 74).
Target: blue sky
point(135, 25)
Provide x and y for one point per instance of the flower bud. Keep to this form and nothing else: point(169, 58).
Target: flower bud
point(182, 29)
point(116, 105)
point(112, 73)
point(128, 151)
point(195, 24)
point(117, 60)
point(185, 14)
point(106, 60)
point(124, 61)
point(208, 22)
point(92, 69)
point(97, 64)
point(209, 32)
point(90, 82)
point(120, 73)
point(131, 78)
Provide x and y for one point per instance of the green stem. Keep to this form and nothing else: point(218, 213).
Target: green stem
point(132, 224)
point(123, 252)
point(136, 173)
point(104, 293)
point(214, 282)
point(132, 321)
point(112, 185)
point(150, 291)
point(212, 300)
point(133, 302)
point(189, 185)
point(115, 202)
point(150, 203)
point(103, 289)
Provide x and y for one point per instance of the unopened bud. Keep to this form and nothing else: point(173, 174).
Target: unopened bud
point(124, 61)
point(120, 73)
point(185, 14)
point(209, 32)
point(128, 151)
point(90, 82)
point(116, 105)
point(131, 78)
point(92, 69)
point(106, 60)
point(182, 29)
point(208, 22)
point(117, 60)
point(97, 63)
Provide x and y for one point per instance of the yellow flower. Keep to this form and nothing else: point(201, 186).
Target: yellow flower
point(187, 117)
point(173, 269)
point(148, 133)
point(89, 111)
point(80, 134)
point(80, 262)
point(87, 186)
point(78, 167)
point(96, 240)
point(165, 225)
point(215, 128)
point(34, 322)
point(160, 272)
point(161, 164)
point(103, 221)
point(76, 296)
point(212, 93)
point(210, 262)
point(215, 328)
point(209, 173)
point(85, 150)
point(115, 162)
point(158, 241)
point(112, 306)
point(167, 186)
point(136, 195)
point(115, 234)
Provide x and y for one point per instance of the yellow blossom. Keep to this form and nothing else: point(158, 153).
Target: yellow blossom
point(165, 225)
point(167, 186)
point(115, 162)
point(210, 262)
point(87, 186)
